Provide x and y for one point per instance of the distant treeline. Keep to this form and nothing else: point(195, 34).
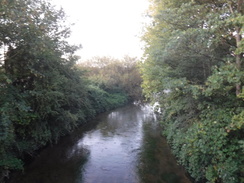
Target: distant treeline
point(194, 68)
point(43, 93)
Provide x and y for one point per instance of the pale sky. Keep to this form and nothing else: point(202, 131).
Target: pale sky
point(106, 27)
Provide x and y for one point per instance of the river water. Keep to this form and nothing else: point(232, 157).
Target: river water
point(121, 146)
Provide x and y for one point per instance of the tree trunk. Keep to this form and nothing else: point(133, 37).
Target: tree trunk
point(238, 59)
point(238, 38)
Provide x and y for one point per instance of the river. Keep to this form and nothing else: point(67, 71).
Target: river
point(121, 146)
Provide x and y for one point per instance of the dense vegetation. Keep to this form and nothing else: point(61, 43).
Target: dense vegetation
point(194, 67)
point(114, 75)
point(43, 95)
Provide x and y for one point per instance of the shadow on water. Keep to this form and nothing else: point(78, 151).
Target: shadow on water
point(157, 164)
point(58, 163)
point(122, 146)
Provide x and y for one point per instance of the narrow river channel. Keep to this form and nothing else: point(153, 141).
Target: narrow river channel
point(121, 146)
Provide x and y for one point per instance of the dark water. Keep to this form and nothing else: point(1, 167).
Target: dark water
point(122, 146)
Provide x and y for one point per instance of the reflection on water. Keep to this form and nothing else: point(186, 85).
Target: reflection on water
point(123, 146)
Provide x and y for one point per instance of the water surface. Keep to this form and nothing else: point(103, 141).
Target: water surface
point(121, 146)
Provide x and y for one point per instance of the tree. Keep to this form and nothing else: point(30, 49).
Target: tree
point(193, 67)
point(115, 75)
point(42, 94)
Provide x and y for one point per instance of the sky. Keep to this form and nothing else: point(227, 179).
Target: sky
point(106, 27)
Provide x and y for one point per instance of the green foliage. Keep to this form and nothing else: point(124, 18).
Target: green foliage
point(42, 94)
point(194, 67)
point(117, 99)
point(103, 101)
point(11, 163)
point(223, 80)
point(114, 75)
